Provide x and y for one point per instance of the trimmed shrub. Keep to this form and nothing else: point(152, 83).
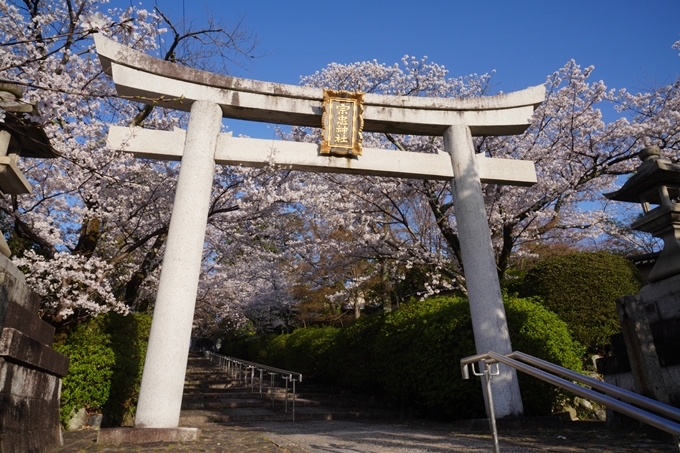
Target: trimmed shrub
point(307, 351)
point(354, 364)
point(237, 347)
point(420, 347)
point(582, 288)
point(537, 331)
point(422, 344)
point(411, 356)
point(106, 362)
point(274, 354)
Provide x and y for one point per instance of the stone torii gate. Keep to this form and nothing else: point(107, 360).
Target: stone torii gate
point(210, 97)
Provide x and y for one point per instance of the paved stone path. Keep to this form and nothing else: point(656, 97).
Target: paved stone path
point(374, 437)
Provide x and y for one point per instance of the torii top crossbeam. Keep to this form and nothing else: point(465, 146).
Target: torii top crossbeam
point(146, 79)
point(137, 74)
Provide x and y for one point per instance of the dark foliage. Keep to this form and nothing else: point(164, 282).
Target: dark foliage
point(410, 357)
point(107, 357)
point(582, 288)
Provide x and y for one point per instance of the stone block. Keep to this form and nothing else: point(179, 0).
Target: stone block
point(665, 296)
point(95, 421)
point(78, 420)
point(24, 349)
point(29, 409)
point(34, 441)
point(24, 414)
point(30, 370)
point(13, 287)
point(26, 382)
point(27, 322)
point(115, 436)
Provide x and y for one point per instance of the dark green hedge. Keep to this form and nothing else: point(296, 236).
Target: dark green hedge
point(582, 288)
point(106, 361)
point(411, 356)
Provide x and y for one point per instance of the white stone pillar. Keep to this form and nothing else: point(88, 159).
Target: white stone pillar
point(160, 396)
point(481, 277)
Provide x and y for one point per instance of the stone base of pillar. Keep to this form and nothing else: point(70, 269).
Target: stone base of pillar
point(115, 436)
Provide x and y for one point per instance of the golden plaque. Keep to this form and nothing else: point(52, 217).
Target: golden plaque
point(342, 122)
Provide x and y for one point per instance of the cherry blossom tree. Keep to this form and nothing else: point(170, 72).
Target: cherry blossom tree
point(90, 237)
point(578, 156)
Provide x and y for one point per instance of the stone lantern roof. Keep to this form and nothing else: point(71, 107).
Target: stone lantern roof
point(28, 138)
point(19, 137)
point(643, 186)
point(656, 186)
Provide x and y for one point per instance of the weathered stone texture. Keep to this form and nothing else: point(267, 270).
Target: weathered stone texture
point(661, 306)
point(117, 436)
point(30, 370)
point(23, 320)
point(13, 288)
point(32, 352)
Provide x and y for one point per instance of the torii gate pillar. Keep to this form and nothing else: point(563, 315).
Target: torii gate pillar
point(479, 264)
point(160, 396)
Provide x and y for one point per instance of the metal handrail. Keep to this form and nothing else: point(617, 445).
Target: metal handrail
point(531, 367)
point(288, 376)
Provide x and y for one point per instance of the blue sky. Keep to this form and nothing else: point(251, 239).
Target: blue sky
point(628, 42)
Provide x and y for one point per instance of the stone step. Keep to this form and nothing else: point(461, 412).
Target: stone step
point(243, 394)
point(234, 403)
point(213, 385)
point(206, 388)
point(240, 392)
point(215, 396)
point(196, 377)
point(203, 417)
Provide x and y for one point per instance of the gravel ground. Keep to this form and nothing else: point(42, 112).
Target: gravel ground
point(374, 437)
point(367, 437)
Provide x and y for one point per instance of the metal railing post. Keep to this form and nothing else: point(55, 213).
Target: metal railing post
point(294, 398)
point(261, 370)
point(286, 378)
point(486, 376)
point(271, 387)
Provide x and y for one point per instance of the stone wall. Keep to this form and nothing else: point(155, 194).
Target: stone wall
point(661, 301)
point(30, 370)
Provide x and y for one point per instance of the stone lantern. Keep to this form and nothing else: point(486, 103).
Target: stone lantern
point(656, 186)
point(19, 137)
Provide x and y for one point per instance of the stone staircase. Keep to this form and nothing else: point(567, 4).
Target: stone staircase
point(212, 395)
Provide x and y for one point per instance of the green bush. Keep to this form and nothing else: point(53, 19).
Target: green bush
point(537, 331)
point(246, 347)
point(354, 364)
point(237, 347)
point(422, 344)
point(411, 356)
point(274, 354)
point(582, 288)
point(307, 351)
point(106, 362)
point(420, 347)
point(90, 368)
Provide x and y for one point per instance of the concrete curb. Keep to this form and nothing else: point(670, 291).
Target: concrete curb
point(116, 436)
